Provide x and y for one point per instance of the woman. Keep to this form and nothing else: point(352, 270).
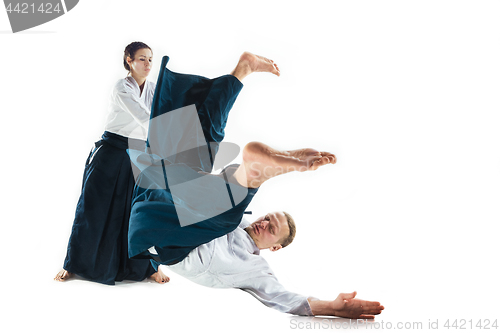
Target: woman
point(97, 248)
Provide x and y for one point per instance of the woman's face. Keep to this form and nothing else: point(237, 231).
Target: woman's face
point(141, 65)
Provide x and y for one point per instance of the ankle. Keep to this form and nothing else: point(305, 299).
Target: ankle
point(242, 70)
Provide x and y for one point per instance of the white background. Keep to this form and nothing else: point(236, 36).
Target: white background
point(405, 93)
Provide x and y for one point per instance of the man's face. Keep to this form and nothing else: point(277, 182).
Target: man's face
point(269, 230)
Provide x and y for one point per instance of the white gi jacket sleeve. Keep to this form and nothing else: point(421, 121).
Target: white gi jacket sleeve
point(127, 97)
point(233, 261)
point(129, 109)
point(265, 287)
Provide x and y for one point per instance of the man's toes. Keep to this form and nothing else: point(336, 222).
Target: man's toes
point(275, 69)
point(322, 161)
point(332, 159)
point(259, 63)
point(325, 160)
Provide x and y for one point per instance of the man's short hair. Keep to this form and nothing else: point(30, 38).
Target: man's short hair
point(293, 229)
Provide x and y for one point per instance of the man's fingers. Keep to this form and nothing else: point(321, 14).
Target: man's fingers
point(347, 296)
point(366, 304)
point(366, 317)
point(375, 311)
point(368, 307)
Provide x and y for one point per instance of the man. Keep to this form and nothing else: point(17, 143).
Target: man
point(233, 260)
point(184, 217)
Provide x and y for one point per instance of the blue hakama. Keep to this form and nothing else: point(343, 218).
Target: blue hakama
point(177, 205)
point(97, 248)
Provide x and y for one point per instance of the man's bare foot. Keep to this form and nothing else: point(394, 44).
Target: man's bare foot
point(63, 275)
point(312, 158)
point(259, 64)
point(250, 63)
point(261, 163)
point(160, 277)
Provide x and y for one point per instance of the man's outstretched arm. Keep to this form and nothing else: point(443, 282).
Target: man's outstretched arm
point(346, 306)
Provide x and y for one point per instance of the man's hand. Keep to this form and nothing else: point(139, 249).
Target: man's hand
point(346, 306)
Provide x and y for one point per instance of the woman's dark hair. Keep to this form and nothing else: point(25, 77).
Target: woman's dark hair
point(130, 51)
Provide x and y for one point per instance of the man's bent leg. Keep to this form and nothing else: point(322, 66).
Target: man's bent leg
point(261, 163)
point(195, 209)
point(198, 207)
point(212, 98)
